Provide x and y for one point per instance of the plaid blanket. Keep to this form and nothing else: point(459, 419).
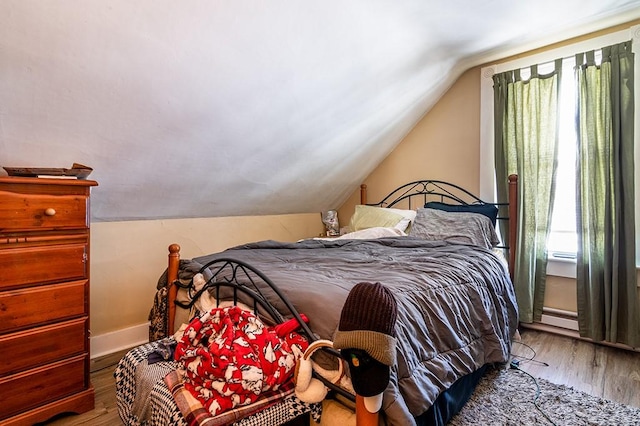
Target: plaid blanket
point(196, 415)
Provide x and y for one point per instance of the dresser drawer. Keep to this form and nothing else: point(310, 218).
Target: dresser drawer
point(41, 385)
point(42, 345)
point(42, 305)
point(36, 211)
point(36, 265)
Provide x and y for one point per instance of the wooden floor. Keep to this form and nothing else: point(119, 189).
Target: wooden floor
point(599, 370)
point(105, 412)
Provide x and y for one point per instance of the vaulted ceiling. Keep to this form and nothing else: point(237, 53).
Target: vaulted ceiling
point(205, 108)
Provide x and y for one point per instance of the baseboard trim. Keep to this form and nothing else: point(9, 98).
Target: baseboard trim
point(574, 334)
point(551, 329)
point(108, 343)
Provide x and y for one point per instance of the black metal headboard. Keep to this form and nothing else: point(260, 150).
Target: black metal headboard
point(429, 190)
point(422, 191)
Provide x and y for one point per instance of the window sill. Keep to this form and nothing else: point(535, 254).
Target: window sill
point(566, 267)
point(561, 267)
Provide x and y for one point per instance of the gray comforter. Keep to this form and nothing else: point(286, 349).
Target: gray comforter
point(456, 304)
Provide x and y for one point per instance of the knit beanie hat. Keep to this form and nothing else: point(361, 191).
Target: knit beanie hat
point(366, 336)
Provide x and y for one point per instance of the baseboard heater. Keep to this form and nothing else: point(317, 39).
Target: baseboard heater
point(560, 318)
point(556, 321)
point(566, 323)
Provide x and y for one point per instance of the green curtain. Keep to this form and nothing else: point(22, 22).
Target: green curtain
point(606, 272)
point(526, 131)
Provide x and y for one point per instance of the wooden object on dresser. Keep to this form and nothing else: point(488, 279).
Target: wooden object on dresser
point(44, 298)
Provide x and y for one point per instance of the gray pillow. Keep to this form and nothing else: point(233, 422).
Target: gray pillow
point(458, 227)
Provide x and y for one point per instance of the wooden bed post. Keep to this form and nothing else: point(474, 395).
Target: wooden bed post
point(363, 194)
point(172, 275)
point(513, 222)
point(363, 416)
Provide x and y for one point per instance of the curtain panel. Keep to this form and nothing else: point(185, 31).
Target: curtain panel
point(606, 272)
point(526, 132)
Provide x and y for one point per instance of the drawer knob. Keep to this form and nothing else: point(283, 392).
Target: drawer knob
point(50, 211)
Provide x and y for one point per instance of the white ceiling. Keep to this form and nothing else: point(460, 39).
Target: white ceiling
point(211, 108)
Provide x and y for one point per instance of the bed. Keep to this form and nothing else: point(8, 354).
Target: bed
point(456, 305)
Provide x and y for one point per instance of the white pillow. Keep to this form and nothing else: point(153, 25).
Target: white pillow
point(408, 218)
point(367, 234)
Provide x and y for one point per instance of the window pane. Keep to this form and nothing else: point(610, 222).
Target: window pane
point(562, 237)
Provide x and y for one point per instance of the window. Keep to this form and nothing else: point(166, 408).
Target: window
point(562, 242)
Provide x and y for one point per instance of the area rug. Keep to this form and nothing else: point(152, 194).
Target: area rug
point(508, 397)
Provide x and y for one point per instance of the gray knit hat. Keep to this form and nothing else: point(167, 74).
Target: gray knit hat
point(367, 322)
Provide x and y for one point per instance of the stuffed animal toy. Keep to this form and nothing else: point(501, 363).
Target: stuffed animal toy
point(308, 388)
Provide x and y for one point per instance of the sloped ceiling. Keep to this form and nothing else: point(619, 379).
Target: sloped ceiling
point(211, 108)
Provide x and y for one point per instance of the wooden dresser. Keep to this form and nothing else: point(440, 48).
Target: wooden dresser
point(44, 298)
